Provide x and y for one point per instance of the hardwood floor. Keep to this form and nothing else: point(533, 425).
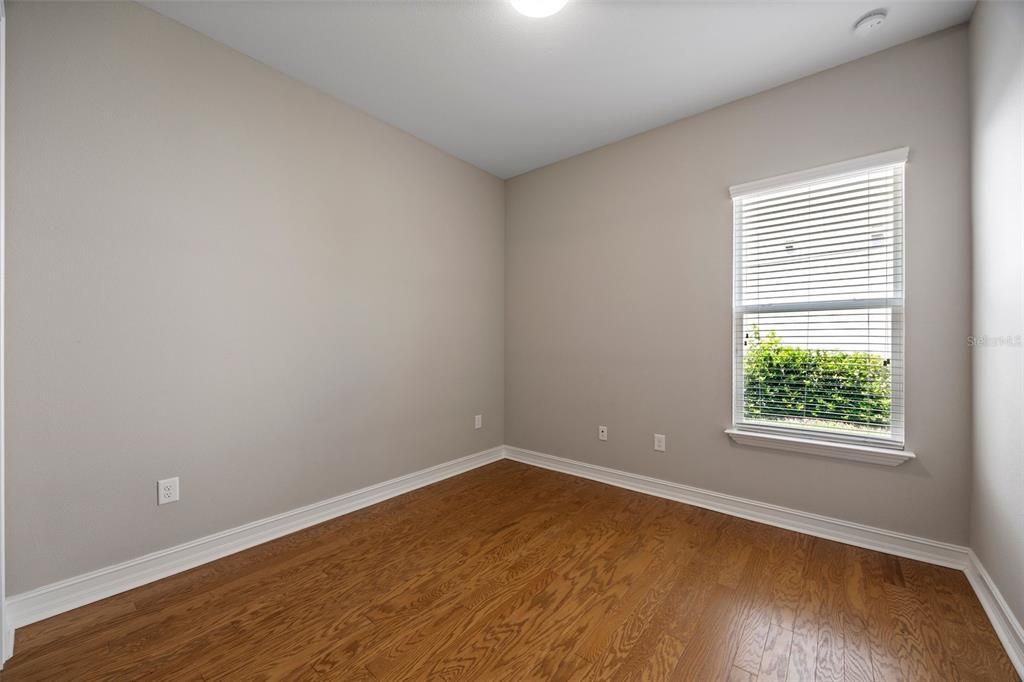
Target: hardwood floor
point(510, 572)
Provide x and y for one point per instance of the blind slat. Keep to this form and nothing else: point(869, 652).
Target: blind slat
point(818, 191)
point(812, 217)
point(855, 197)
point(828, 254)
point(818, 229)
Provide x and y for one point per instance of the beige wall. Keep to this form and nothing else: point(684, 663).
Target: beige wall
point(219, 274)
point(997, 98)
point(618, 281)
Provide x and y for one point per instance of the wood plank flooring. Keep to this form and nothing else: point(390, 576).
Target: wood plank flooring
point(510, 572)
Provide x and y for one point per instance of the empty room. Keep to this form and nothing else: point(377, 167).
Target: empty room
point(515, 340)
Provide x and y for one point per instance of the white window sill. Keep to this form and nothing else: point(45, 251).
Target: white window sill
point(807, 446)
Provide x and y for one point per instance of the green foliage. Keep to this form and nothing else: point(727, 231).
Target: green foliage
point(788, 383)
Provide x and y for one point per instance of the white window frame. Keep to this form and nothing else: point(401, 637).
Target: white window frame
point(886, 451)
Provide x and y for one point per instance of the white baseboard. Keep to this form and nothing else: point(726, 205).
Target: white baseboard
point(1006, 625)
point(50, 600)
point(890, 542)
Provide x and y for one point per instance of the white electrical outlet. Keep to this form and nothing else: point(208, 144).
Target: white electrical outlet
point(478, 421)
point(602, 433)
point(659, 442)
point(167, 491)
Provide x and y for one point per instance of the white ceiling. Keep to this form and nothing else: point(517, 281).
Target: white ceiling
point(509, 94)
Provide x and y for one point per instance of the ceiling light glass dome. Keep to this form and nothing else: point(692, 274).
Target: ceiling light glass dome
point(538, 8)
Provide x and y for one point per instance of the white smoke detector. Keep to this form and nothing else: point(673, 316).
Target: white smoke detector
point(870, 22)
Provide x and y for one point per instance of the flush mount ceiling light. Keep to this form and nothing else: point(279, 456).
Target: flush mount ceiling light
point(870, 22)
point(538, 8)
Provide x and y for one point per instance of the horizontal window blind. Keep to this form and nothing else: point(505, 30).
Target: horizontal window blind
point(818, 303)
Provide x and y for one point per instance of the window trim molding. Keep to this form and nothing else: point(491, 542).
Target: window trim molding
point(889, 158)
point(824, 448)
point(828, 445)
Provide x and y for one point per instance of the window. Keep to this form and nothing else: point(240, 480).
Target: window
point(818, 304)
